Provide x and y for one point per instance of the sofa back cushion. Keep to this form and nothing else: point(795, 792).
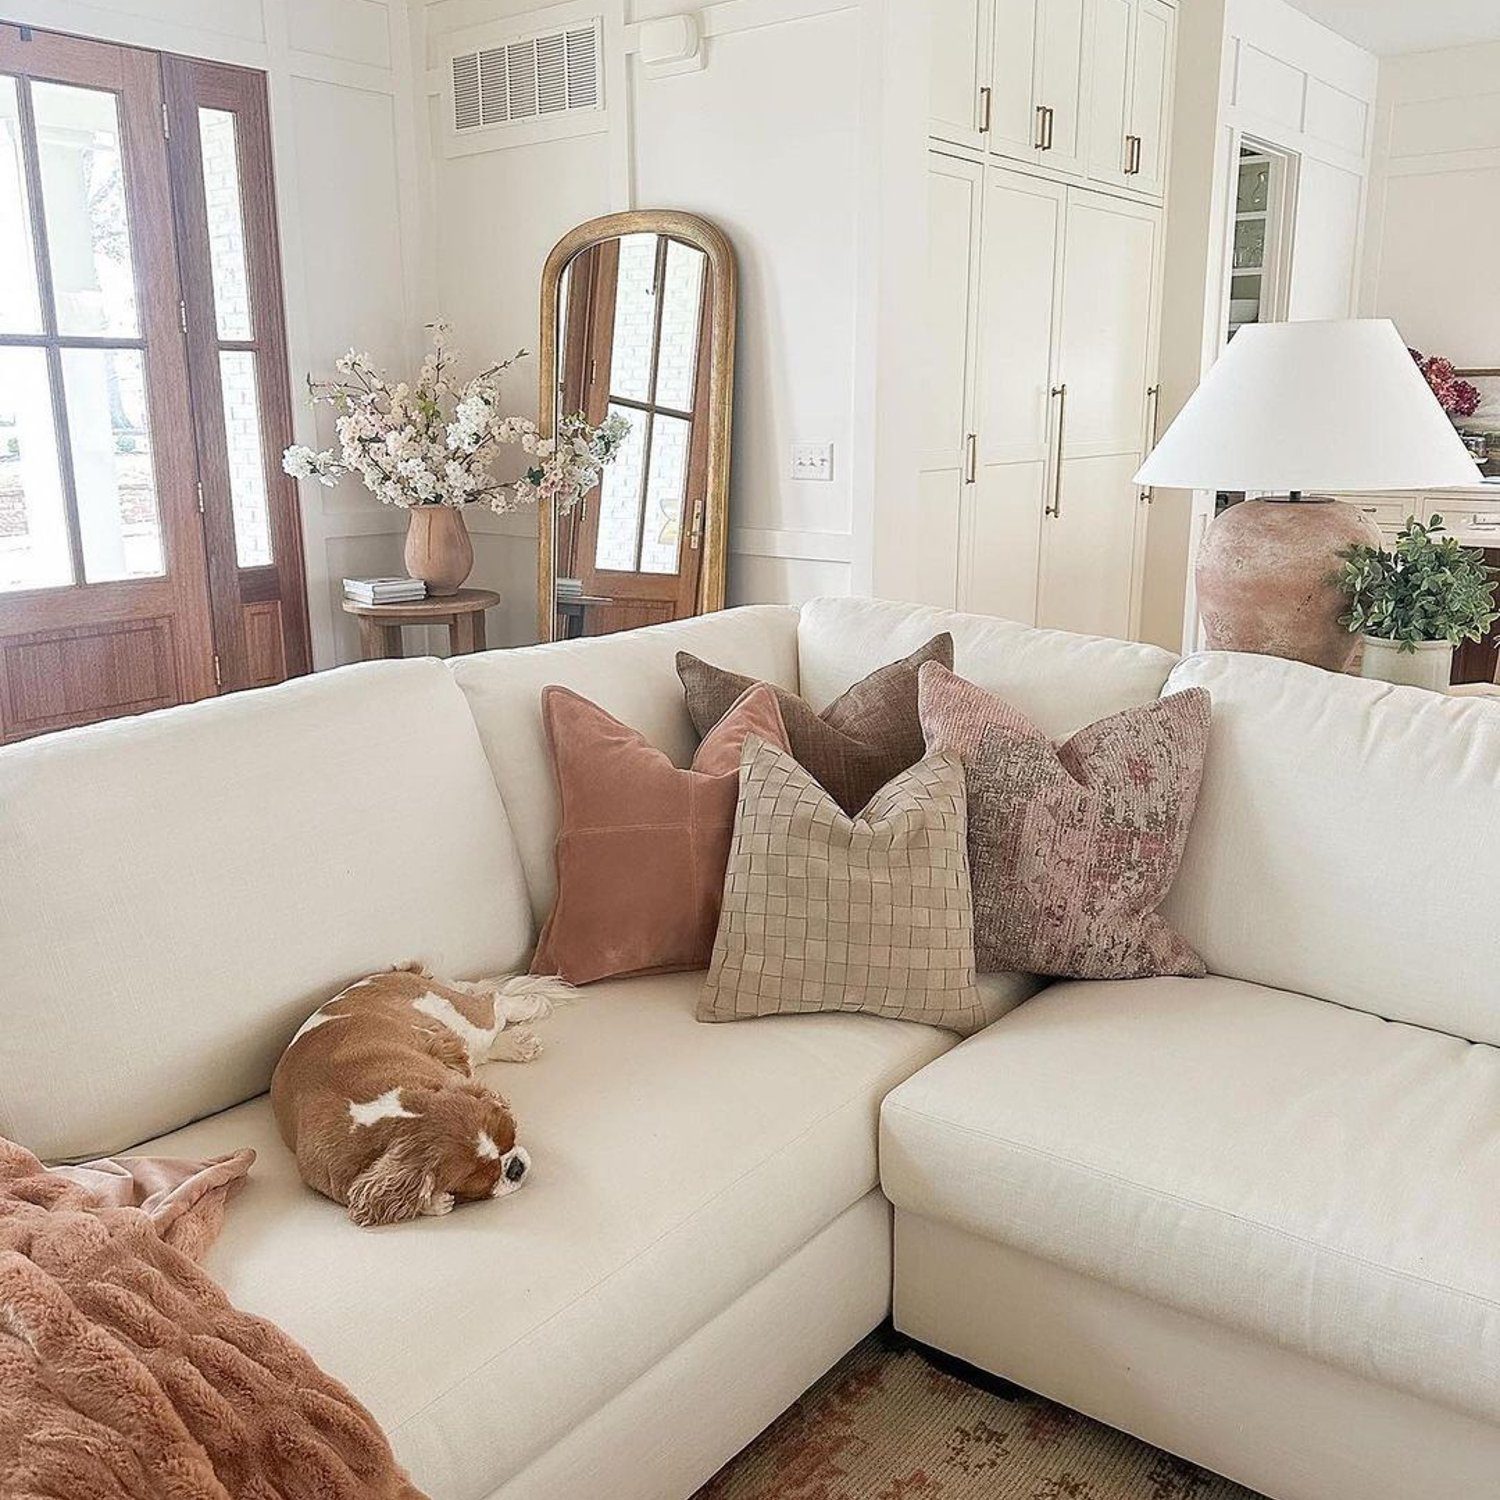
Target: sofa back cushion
point(1347, 842)
point(633, 676)
point(1061, 682)
point(179, 891)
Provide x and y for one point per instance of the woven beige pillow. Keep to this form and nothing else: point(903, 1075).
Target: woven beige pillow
point(826, 912)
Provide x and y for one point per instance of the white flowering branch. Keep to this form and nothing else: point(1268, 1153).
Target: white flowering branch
point(434, 442)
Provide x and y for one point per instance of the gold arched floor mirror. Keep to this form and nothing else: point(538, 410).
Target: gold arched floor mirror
point(638, 321)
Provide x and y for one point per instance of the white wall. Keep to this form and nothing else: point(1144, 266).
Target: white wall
point(1281, 78)
point(768, 139)
point(342, 101)
point(1433, 231)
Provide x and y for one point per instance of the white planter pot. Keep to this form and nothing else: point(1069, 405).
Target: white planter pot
point(1429, 666)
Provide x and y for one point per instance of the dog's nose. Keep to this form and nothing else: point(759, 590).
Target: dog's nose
point(515, 1168)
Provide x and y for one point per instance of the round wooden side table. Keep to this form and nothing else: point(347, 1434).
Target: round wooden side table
point(463, 614)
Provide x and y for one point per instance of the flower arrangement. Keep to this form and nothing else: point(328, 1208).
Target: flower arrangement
point(1457, 397)
point(434, 441)
point(1426, 588)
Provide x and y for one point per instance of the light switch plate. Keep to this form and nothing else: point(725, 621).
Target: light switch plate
point(812, 460)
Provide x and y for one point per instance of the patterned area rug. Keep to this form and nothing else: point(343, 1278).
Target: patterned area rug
point(889, 1425)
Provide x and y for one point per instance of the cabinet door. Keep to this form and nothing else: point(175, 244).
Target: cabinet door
point(960, 55)
point(1018, 288)
point(1058, 82)
point(1089, 548)
point(1150, 92)
point(1109, 90)
point(1104, 358)
point(1013, 125)
point(1104, 335)
point(916, 545)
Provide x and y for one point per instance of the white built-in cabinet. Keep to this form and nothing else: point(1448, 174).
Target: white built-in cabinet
point(1079, 88)
point(1041, 338)
point(1043, 277)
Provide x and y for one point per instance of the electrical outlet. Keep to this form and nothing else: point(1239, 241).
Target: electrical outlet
point(812, 460)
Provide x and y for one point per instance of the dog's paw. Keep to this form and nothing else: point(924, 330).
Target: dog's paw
point(438, 1204)
point(516, 1046)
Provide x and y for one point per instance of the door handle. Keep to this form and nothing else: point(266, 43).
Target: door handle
point(986, 102)
point(1135, 155)
point(1043, 138)
point(1055, 508)
point(971, 457)
point(1153, 399)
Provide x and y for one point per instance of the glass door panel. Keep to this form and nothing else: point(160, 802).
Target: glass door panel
point(620, 498)
point(666, 488)
point(20, 299)
point(84, 210)
point(109, 431)
point(35, 551)
point(226, 224)
point(247, 460)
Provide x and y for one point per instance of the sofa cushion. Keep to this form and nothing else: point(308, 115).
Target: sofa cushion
point(1347, 842)
point(1059, 681)
point(826, 912)
point(869, 734)
point(179, 891)
point(1073, 846)
point(674, 1166)
point(1304, 1173)
point(643, 843)
point(633, 675)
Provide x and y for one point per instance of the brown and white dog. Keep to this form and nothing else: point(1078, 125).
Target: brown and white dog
point(376, 1095)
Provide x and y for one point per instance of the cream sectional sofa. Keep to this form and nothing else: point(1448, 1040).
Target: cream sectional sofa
point(1253, 1218)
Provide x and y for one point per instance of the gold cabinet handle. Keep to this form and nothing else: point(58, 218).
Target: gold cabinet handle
point(971, 457)
point(1153, 398)
point(1042, 141)
point(1055, 509)
point(986, 103)
point(1135, 156)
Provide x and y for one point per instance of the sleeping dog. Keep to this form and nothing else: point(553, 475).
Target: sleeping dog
point(376, 1098)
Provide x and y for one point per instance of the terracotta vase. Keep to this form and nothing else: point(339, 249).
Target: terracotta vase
point(1268, 579)
point(438, 550)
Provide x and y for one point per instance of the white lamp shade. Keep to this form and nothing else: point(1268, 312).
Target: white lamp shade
point(1314, 407)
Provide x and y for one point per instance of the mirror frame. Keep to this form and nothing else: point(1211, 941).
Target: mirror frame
point(711, 240)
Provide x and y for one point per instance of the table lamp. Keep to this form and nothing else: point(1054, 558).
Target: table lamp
point(1291, 409)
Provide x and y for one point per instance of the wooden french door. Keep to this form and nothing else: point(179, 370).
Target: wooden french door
point(114, 594)
point(220, 149)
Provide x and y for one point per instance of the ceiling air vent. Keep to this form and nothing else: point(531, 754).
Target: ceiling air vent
point(530, 78)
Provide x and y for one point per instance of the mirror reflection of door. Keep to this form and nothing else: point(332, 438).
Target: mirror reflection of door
point(635, 315)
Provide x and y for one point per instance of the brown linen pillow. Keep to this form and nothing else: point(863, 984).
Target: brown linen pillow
point(863, 738)
point(825, 912)
point(1072, 847)
point(641, 844)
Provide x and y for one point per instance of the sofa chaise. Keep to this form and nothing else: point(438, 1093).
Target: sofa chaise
point(1252, 1218)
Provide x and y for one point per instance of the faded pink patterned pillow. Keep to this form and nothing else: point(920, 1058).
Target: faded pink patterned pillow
point(1073, 847)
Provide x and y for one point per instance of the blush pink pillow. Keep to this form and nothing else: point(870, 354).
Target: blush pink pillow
point(1072, 847)
point(642, 844)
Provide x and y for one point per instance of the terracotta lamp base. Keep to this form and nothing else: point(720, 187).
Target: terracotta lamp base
point(1268, 579)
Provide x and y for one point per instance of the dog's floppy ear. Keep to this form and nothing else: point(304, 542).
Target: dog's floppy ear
point(396, 1186)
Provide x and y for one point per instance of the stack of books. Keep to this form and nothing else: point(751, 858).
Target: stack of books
point(384, 590)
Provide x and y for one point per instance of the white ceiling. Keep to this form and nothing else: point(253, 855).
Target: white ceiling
point(1388, 26)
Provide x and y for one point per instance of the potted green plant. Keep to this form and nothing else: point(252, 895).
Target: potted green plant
point(1415, 603)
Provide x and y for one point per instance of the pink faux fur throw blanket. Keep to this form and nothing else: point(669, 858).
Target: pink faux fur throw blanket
point(125, 1372)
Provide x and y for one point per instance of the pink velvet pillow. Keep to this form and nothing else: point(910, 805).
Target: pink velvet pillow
point(642, 845)
point(1072, 847)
